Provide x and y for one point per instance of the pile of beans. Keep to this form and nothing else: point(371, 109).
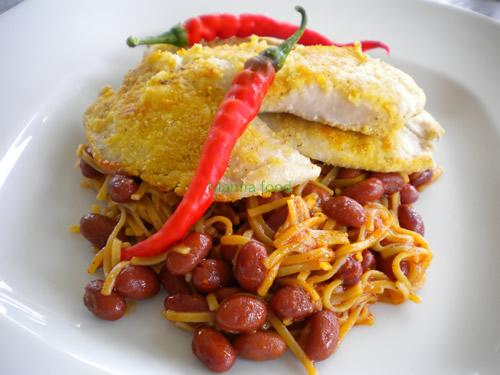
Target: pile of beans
point(133, 282)
point(241, 325)
point(347, 208)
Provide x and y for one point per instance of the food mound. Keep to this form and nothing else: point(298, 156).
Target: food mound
point(268, 187)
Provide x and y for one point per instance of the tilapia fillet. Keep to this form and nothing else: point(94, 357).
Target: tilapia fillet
point(155, 124)
point(408, 149)
point(341, 87)
point(154, 127)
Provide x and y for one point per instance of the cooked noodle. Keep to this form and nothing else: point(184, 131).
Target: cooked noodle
point(307, 250)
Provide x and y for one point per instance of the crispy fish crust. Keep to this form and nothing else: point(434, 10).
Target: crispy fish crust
point(341, 87)
point(408, 149)
point(154, 127)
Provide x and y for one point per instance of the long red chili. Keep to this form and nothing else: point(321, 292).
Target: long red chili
point(212, 26)
point(238, 108)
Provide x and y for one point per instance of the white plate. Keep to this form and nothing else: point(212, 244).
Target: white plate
point(54, 58)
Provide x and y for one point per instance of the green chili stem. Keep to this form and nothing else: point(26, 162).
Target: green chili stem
point(279, 53)
point(176, 36)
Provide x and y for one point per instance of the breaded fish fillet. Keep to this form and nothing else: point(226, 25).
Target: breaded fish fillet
point(261, 160)
point(154, 127)
point(408, 149)
point(341, 87)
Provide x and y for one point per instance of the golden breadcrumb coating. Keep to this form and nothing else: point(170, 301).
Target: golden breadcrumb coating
point(154, 127)
point(402, 151)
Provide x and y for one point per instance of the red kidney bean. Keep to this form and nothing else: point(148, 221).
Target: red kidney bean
point(89, 171)
point(292, 303)
point(345, 211)
point(365, 191)
point(137, 282)
point(369, 261)
point(212, 274)
point(223, 293)
point(296, 328)
point(384, 265)
point(321, 335)
point(249, 269)
point(277, 217)
point(260, 345)
point(173, 284)
point(353, 234)
point(393, 181)
point(213, 349)
point(228, 252)
point(345, 173)
point(408, 194)
point(322, 194)
point(219, 227)
point(185, 303)
point(96, 228)
point(420, 178)
point(221, 209)
point(110, 307)
point(410, 219)
point(241, 313)
point(200, 245)
point(121, 188)
point(350, 272)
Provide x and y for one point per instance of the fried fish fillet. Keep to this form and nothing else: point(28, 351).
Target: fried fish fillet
point(341, 87)
point(154, 127)
point(408, 149)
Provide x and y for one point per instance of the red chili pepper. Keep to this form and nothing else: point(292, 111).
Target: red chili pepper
point(211, 26)
point(238, 108)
